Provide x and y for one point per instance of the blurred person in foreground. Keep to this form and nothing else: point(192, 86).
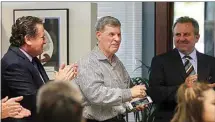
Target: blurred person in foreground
point(195, 103)
point(22, 73)
point(103, 79)
point(59, 102)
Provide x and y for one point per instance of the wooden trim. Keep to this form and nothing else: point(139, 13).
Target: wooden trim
point(163, 27)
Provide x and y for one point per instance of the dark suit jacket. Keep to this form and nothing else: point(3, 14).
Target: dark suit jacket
point(168, 73)
point(20, 78)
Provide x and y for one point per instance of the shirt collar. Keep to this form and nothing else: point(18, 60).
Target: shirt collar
point(26, 54)
point(100, 55)
point(192, 55)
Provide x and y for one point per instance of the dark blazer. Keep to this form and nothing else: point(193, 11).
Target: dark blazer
point(168, 73)
point(20, 78)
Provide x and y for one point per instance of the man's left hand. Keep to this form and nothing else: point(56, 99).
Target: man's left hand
point(141, 107)
point(66, 73)
point(212, 85)
point(23, 113)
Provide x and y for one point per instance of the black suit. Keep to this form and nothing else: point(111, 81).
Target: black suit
point(20, 78)
point(168, 73)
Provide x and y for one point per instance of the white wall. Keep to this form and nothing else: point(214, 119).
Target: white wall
point(82, 18)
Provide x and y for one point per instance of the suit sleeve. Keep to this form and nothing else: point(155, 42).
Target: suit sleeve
point(159, 90)
point(20, 83)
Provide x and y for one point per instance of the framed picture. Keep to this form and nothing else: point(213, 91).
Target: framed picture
point(56, 23)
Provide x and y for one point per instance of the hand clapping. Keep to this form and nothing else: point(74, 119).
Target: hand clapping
point(191, 79)
point(11, 108)
point(66, 73)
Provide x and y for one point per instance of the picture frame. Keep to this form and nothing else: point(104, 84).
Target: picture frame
point(56, 23)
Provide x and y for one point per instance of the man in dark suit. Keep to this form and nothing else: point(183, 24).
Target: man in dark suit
point(171, 69)
point(22, 72)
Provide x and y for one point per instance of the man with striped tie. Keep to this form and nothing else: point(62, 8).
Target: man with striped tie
point(171, 69)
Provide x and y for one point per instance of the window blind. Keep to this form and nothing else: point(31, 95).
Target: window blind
point(130, 51)
point(130, 16)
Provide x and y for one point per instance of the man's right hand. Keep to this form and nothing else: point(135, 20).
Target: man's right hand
point(66, 73)
point(212, 85)
point(11, 108)
point(138, 91)
point(190, 79)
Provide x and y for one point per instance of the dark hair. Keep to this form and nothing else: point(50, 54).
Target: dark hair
point(186, 19)
point(58, 101)
point(107, 20)
point(24, 26)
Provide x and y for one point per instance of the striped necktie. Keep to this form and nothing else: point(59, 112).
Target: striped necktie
point(188, 66)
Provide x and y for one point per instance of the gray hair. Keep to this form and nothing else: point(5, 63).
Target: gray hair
point(107, 20)
point(186, 19)
point(59, 101)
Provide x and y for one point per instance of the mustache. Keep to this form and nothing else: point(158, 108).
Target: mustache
point(183, 41)
point(115, 44)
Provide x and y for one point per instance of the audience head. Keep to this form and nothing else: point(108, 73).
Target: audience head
point(196, 103)
point(185, 34)
point(108, 34)
point(59, 101)
point(28, 32)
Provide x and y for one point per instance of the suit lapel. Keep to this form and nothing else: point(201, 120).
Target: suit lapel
point(42, 70)
point(202, 69)
point(37, 77)
point(36, 74)
point(179, 64)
